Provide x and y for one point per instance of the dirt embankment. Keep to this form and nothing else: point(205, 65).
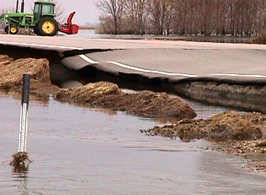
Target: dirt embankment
point(232, 132)
point(248, 97)
point(101, 94)
point(144, 103)
point(12, 70)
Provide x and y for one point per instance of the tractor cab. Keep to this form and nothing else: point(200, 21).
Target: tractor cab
point(43, 8)
point(44, 18)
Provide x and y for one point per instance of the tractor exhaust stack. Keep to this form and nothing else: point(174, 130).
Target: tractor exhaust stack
point(17, 6)
point(22, 6)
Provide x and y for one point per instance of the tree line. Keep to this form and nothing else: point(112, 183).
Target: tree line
point(242, 18)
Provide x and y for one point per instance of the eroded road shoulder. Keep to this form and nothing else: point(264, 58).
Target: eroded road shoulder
point(99, 94)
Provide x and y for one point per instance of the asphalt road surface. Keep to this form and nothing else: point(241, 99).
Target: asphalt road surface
point(170, 59)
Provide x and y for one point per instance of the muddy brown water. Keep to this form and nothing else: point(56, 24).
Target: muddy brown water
point(78, 150)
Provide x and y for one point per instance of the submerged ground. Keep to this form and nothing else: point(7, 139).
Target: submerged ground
point(77, 150)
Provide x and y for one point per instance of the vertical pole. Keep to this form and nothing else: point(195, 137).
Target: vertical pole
point(22, 6)
point(17, 6)
point(23, 129)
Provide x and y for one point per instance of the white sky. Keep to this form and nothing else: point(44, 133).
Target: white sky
point(86, 10)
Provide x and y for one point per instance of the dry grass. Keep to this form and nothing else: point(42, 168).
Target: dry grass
point(144, 103)
point(11, 71)
point(221, 127)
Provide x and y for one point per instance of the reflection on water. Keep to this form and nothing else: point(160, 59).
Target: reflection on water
point(78, 150)
point(21, 179)
point(21, 171)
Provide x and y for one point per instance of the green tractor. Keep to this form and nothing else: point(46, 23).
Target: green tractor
point(42, 20)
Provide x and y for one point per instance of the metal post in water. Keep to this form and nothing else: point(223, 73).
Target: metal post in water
point(23, 130)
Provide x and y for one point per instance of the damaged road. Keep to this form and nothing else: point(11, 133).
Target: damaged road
point(229, 83)
point(100, 94)
point(231, 131)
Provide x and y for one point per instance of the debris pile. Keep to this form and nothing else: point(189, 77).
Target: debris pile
point(221, 127)
point(144, 103)
point(231, 132)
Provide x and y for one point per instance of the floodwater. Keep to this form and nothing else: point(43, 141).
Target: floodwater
point(78, 150)
point(92, 34)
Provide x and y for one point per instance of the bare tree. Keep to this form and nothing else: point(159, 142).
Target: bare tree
point(135, 15)
point(160, 12)
point(114, 8)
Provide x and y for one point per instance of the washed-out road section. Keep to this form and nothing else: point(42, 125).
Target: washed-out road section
point(170, 61)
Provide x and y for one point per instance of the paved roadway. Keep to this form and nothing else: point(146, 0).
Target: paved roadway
point(153, 58)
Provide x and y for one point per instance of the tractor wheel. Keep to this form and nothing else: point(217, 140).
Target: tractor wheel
point(47, 26)
point(12, 30)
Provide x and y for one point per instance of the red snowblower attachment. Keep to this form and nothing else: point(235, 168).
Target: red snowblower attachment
point(69, 28)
